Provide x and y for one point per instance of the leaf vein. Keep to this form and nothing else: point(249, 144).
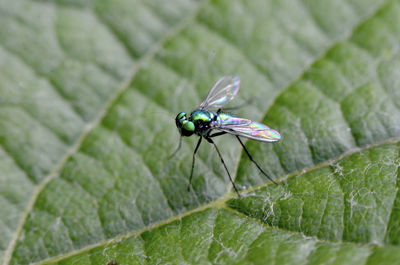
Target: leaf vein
point(146, 57)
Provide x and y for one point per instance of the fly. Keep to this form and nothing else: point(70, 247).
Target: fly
point(209, 120)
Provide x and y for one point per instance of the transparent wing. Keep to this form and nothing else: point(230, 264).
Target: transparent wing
point(221, 93)
point(246, 128)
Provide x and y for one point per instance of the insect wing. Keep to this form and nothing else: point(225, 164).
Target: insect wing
point(247, 128)
point(221, 93)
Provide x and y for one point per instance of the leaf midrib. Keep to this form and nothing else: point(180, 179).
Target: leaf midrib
point(219, 203)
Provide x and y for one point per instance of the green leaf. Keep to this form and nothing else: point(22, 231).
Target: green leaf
point(89, 90)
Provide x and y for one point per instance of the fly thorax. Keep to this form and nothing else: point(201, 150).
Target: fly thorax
point(201, 119)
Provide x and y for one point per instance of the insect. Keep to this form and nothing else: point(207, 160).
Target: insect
point(209, 120)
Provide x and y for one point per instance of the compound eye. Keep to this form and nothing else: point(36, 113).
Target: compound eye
point(181, 116)
point(188, 126)
point(180, 119)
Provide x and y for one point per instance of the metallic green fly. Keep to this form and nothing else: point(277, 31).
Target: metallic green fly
point(205, 120)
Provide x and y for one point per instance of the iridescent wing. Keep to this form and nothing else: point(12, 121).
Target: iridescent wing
point(221, 93)
point(246, 128)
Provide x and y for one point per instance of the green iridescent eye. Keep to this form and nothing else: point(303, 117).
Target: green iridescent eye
point(188, 126)
point(181, 116)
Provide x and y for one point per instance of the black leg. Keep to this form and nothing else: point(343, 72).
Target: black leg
point(252, 160)
point(194, 158)
point(177, 149)
point(216, 134)
point(223, 162)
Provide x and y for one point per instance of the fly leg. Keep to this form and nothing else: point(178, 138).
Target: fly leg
point(177, 149)
point(193, 160)
point(223, 162)
point(216, 134)
point(252, 160)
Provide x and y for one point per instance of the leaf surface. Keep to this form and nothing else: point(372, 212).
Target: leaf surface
point(89, 92)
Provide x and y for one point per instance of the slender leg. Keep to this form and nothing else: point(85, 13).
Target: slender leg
point(177, 149)
point(216, 134)
point(223, 162)
point(252, 160)
point(194, 158)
